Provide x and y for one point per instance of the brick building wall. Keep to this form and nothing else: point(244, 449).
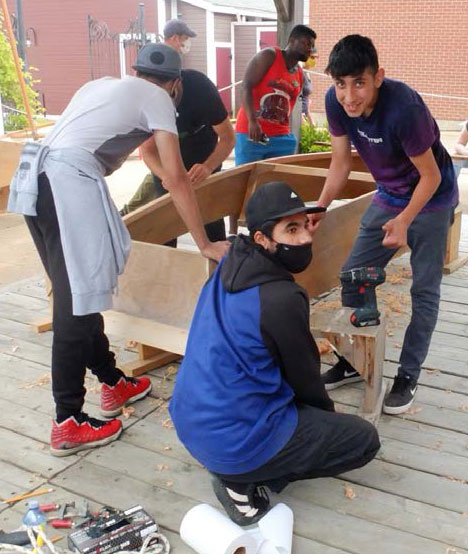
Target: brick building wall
point(420, 43)
point(62, 27)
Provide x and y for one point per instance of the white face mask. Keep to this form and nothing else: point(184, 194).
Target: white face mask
point(186, 46)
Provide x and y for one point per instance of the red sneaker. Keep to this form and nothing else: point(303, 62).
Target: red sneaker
point(126, 391)
point(77, 433)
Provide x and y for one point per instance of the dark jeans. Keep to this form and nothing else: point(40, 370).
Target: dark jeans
point(324, 444)
point(79, 341)
point(427, 237)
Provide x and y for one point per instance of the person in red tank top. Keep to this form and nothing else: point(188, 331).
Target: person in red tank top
point(272, 83)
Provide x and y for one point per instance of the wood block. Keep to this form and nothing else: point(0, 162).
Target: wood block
point(42, 325)
point(363, 347)
point(455, 264)
point(140, 366)
point(453, 260)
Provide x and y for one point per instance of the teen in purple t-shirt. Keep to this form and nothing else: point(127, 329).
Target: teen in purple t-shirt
point(398, 139)
point(398, 128)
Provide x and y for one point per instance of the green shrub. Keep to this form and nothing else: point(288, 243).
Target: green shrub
point(311, 134)
point(10, 90)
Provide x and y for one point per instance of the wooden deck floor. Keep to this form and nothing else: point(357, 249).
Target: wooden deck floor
point(412, 499)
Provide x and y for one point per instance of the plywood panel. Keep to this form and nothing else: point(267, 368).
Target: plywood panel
point(162, 284)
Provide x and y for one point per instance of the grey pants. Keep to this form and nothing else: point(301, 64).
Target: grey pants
point(427, 237)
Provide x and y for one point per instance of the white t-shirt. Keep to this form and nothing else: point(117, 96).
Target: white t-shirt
point(111, 117)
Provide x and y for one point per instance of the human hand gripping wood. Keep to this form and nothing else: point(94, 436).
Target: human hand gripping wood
point(216, 250)
point(198, 172)
point(395, 233)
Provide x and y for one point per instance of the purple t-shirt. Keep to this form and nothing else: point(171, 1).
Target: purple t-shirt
point(399, 127)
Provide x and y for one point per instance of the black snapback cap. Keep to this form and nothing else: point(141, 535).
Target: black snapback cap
point(273, 201)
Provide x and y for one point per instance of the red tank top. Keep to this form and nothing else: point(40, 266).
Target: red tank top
point(274, 98)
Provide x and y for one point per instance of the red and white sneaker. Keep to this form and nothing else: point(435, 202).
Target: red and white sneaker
point(81, 432)
point(126, 391)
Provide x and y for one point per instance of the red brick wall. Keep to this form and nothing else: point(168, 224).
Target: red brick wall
point(61, 53)
point(420, 43)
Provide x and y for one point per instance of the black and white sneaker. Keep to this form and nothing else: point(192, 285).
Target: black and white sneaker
point(340, 374)
point(400, 398)
point(244, 508)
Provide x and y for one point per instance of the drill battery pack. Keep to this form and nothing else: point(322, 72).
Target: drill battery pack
point(118, 531)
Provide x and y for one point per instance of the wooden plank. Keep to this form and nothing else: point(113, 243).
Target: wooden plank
point(162, 284)
point(167, 337)
point(252, 183)
point(14, 480)
point(383, 508)
point(308, 181)
point(219, 195)
point(320, 159)
point(415, 485)
point(311, 521)
point(166, 506)
point(31, 455)
point(149, 358)
point(436, 416)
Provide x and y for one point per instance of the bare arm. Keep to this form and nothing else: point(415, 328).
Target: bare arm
point(396, 229)
point(226, 142)
point(340, 167)
point(256, 69)
point(177, 182)
point(151, 157)
point(462, 140)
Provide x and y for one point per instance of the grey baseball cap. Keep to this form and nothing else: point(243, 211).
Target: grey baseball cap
point(177, 27)
point(158, 59)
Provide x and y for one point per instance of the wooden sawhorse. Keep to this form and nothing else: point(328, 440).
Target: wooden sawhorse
point(363, 347)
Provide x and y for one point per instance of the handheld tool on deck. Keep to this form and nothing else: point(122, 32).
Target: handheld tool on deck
point(367, 279)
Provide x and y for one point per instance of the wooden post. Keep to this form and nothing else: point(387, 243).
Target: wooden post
point(453, 259)
point(45, 324)
point(19, 70)
point(363, 347)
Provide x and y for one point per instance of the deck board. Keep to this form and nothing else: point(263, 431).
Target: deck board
point(413, 498)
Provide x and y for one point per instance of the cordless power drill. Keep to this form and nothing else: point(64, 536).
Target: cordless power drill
point(366, 278)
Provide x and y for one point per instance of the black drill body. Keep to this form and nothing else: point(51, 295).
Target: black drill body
point(366, 278)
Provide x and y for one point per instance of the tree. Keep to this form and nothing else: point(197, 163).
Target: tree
point(10, 89)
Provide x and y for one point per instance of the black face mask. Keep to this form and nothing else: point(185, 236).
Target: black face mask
point(294, 258)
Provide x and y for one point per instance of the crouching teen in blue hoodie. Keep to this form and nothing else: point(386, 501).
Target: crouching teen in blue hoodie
point(249, 403)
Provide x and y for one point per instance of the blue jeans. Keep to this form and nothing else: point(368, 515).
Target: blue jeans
point(427, 237)
point(247, 151)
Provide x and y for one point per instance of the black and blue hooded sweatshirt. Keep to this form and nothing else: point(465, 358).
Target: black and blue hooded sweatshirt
point(250, 359)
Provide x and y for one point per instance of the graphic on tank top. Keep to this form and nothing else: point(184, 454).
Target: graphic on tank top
point(275, 106)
